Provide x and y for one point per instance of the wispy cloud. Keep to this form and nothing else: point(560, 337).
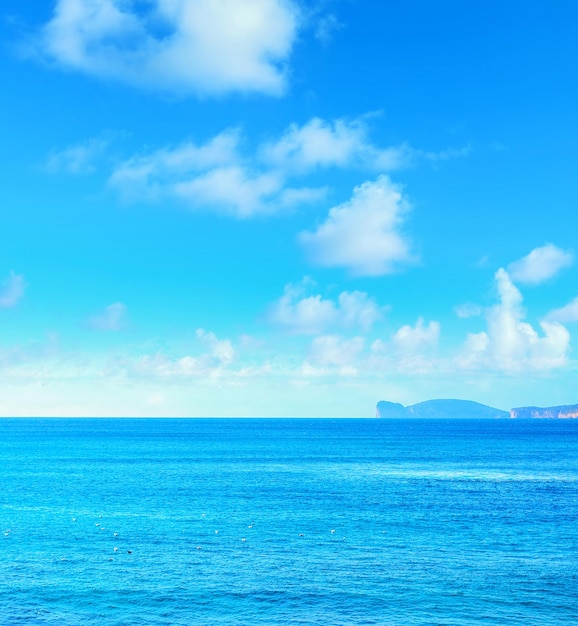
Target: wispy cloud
point(243, 193)
point(215, 362)
point(12, 290)
point(225, 175)
point(80, 158)
point(335, 351)
point(112, 318)
point(468, 310)
point(207, 47)
point(540, 265)
point(443, 155)
point(217, 175)
point(230, 175)
point(326, 28)
point(364, 235)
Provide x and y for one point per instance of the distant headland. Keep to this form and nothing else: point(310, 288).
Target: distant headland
point(451, 408)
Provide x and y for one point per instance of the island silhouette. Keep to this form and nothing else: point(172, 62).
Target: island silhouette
point(452, 409)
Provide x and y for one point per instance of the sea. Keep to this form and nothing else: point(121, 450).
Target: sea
point(288, 521)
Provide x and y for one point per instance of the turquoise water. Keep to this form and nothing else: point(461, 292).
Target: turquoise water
point(119, 522)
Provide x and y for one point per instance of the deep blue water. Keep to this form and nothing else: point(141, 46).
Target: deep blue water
point(209, 522)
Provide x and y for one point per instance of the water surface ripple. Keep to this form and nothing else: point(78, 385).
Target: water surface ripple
point(247, 522)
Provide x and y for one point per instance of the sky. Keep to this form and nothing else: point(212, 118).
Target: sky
point(282, 208)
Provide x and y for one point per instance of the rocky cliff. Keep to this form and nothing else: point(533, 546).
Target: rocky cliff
point(566, 411)
point(439, 409)
point(391, 409)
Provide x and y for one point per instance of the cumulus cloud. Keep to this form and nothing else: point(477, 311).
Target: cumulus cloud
point(540, 265)
point(112, 318)
point(410, 350)
point(12, 290)
point(303, 314)
point(511, 344)
point(207, 47)
point(337, 143)
point(308, 315)
point(364, 234)
point(356, 308)
point(413, 339)
point(567, 313)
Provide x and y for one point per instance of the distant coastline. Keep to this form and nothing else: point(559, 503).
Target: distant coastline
point(452, 408)
point(564, 411)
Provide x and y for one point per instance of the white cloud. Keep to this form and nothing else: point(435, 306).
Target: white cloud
point(343, 143)
point(511, 344)
point(364, 234)
point(112, 318)
point(208, 47)
point(239, 192)
point(232, 187)
point(331, 350)
point(143, 174)
point(356, 308)
point(227, 175)
point(314, 314)
point(308, 315)
point(567, 313)
point(340, 143)
point(157, 174)
point(540, 265)
point(12, 290)
point(212, 364)
point(224, 175)
point(214, 175)
point(410, 351)
point(412, 339)
point(221, 349)
point(78, 159)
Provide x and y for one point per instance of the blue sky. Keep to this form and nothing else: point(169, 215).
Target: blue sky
point(284, 208)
